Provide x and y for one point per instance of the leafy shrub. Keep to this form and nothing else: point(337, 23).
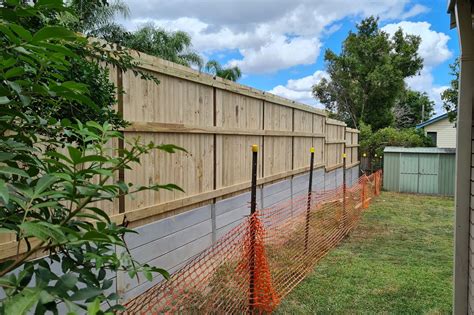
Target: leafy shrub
point(51, 189)
point(373, 143)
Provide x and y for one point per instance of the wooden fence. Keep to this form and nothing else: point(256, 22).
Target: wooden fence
point(216, 121)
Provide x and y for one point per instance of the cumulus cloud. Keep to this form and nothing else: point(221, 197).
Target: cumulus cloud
point(263, 31)
point(301, 89)
point(281, 53)
point(424, 82)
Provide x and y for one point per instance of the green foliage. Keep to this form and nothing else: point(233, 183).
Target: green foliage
point(51, 189)
point(450, 95)
point(412, 108)
point(215, 68)
point(95, 17)
point(82, 71)
point(373, 143)
point(368, 75)
point(172, 46)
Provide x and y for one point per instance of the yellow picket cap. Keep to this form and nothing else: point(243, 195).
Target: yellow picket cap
point(254, 148)
point(311, 150)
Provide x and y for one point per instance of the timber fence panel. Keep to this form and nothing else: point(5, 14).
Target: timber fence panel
point(216, 121)
point(278, 151)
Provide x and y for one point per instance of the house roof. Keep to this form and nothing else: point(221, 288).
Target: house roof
point(431, 121)
point(420, 150)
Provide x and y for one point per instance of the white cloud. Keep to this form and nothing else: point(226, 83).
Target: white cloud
point(424, 82)
point(279, 54)
point(301, 89)
point(414, 11)
point(265, 32)
point(434, 51)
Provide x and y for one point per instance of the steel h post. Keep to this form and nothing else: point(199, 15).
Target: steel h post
point(253, 208)
point(344, 156)
point(308, 206)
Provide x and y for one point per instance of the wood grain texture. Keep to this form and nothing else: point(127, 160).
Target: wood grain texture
point(216, 121)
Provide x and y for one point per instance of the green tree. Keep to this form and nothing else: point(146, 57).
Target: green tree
point(172, 46)
point(96, 17)
point(215, 68)
point(411, 108)
point(368, 75)
point(50, 188)
point(450, 95)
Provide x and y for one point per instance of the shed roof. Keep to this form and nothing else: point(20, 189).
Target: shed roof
point(419, 150)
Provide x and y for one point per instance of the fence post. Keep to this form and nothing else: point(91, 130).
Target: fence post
point(253, 208)
point(344, 187)
point(308, 206)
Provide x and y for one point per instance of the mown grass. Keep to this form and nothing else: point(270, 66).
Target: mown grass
point(398, 260)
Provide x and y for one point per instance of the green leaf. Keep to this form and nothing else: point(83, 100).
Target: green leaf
point(5, 156)
point(20, 303)
point(4, 100)
point(22, 50)
point(45, 204)
point(72, 307)
point(53, 32)
point(161, 271)
point(21, 31)
point(4, 193)
point(13, 171)
point(14, 72)
point(94, 307)
point(59, 156)
point(44, 183)
point(43, 230)
point(85, 293)
point(45, 297)
point(67, 281)
point(100, 212)
point(95, 236)
point(50, 4)
point(75, 154)
point(170, 148)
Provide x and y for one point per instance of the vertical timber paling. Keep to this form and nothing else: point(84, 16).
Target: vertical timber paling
point(121, 172)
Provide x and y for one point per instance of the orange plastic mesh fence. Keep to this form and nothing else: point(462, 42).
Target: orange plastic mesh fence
point(253, 266)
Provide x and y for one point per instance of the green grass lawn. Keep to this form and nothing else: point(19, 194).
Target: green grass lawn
point(398, 260)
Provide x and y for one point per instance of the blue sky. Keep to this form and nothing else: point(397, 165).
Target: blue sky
point(280, 44)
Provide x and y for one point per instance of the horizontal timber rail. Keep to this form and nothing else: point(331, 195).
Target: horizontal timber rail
point(181, 128)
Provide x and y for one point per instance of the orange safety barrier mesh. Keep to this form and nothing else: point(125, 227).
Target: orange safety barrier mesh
point(257, 263)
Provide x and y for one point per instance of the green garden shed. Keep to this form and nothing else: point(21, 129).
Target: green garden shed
point(419, 170)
